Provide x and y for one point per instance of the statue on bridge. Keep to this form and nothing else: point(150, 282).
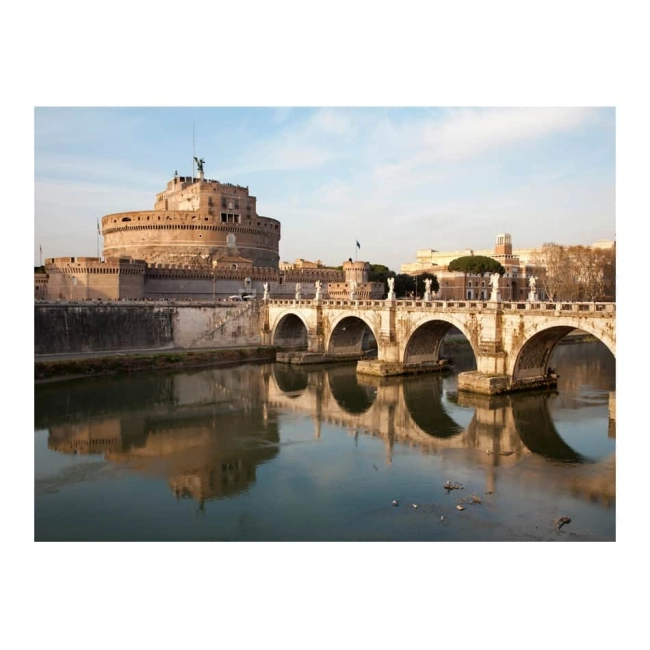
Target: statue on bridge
point(532, 294)
point(494, 282)
point(391, 289)
point(298, 290)
point(266, 291)
point(318, 285)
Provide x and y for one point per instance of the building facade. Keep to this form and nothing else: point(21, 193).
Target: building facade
point(522, 266)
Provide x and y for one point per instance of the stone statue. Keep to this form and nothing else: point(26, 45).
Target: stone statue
point(298, 289)
point(532, 282)
point(319, 285)
point(427, 285)
point(494, 280)
point(391, 284)
point(199, 163)
point(266, 291)
point(353, 285)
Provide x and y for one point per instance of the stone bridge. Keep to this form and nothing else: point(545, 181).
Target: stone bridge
point(512, 341)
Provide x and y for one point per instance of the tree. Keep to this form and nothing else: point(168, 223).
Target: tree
point(404, 285)
point(578, 273)
point(476, 264)
point(552, 258)
point(379, 273)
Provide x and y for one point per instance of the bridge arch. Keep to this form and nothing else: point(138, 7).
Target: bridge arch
point(349, 334)
point(290, 330)
point(424, 342)
point(530, 354)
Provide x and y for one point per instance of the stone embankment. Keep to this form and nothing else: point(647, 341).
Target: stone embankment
point(77, 366)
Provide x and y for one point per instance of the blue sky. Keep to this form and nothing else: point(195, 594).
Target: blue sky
point(396, 179)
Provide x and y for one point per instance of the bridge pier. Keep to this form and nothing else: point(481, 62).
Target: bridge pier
point(390, 369)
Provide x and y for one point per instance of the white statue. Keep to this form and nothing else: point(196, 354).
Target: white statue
point(391, 284)
point(427, 285)
point(353, 286)
point(298, 289)
point(318, 285)
point(266, 291)
point(532, 282)
point(494, 280)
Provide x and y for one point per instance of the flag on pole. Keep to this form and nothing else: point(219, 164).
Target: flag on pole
point(98, 230)
point(358, 244)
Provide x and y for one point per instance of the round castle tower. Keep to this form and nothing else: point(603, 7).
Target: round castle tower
point(195, 222)
point(356, 271)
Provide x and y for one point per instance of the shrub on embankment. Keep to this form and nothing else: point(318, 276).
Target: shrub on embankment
point(108, 365)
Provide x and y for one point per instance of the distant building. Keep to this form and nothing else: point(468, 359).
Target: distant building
point(519, 263)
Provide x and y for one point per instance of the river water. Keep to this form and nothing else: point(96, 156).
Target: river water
point(267, 452)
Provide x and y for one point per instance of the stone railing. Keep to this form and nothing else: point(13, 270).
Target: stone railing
point(457, 305)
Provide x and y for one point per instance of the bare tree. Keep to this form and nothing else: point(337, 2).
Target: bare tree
point(578, 273)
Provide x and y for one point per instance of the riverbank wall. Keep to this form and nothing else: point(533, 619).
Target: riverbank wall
point(99, 327)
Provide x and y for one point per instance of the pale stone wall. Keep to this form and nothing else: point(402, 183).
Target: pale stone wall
point(188, 238)
point(88, 278)
point(100, 327)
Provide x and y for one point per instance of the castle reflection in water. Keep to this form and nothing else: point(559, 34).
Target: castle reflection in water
point(207, 432)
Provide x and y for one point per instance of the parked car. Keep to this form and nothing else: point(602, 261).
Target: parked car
point(235, 298)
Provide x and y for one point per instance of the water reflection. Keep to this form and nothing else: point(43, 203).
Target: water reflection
point(207, 432)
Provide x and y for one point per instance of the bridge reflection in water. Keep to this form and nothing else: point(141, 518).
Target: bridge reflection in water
point(208, 431)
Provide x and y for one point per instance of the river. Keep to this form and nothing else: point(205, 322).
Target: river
point(270, 452)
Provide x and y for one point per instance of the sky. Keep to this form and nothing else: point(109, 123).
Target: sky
point(395, 179)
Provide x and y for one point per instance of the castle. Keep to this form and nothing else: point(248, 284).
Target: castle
point(203, 240)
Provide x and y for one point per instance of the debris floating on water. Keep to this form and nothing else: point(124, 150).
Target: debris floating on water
point(453, 486)
point(459, 507)
point(395, 502)
point(561, 521)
